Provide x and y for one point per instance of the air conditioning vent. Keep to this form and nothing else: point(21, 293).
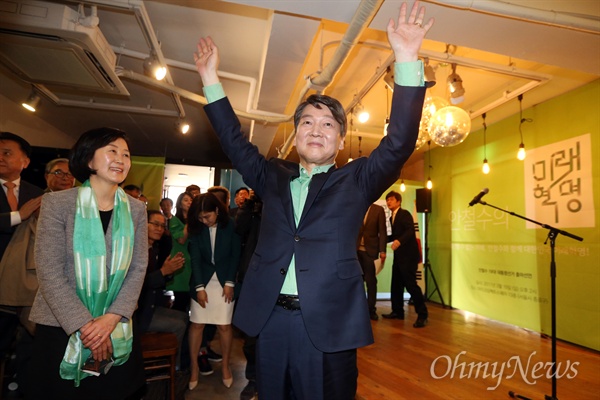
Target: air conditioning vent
point(44, 43)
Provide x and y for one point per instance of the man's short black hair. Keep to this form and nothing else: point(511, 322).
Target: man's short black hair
point(23, 144)
point(131, 186)
point(395, 194)
point(318, 101)
point(242, 188)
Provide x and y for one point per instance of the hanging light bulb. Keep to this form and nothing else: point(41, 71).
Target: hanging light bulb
point(486, 166)
point(429, 184)
point(402, 186)
point(521, 153)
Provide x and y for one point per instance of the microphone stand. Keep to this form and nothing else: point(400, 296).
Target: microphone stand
point(552, 234)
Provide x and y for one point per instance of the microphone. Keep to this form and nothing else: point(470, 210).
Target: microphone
point(479, 196)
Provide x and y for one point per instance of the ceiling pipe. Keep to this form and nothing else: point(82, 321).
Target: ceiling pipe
point(363, 16)
point(523, 13)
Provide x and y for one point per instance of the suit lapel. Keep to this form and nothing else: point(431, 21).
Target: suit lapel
point(284, 176)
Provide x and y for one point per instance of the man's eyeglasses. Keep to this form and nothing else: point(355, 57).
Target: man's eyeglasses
point(60, 174)
point(158, 224)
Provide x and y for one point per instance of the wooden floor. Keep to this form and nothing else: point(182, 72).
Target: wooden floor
point(409, 363)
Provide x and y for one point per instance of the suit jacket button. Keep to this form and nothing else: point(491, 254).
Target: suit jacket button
point(282, 271)
point(297, 238)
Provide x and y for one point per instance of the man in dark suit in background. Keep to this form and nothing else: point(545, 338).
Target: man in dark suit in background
point(18, 201)
point(371, 244)
point(406, 262)
point(303, 293)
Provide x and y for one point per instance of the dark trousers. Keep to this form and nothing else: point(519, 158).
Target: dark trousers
point(290, 367)
point(249, 350)
point(8, 329)
point(368, 268)
point(404, 275)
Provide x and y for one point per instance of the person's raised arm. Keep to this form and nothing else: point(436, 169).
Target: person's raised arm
point(406, 35)
point(207, 61)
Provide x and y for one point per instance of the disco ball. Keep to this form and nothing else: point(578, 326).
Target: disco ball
point(449, 126)
point(430, 106)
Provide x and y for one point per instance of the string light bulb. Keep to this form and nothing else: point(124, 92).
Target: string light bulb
point(402, 186)
point(486, 167)
point(429, 184)
point(521, 154)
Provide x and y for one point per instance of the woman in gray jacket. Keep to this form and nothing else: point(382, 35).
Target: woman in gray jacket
point(91, 254)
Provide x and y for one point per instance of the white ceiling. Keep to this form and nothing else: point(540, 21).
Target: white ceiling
point(273, 46)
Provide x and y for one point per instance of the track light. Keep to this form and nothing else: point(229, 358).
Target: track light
point(184, 127)
point(153, 68)
point(429, 73)
point(32, 101)
point(457, 92)
point(361, 114)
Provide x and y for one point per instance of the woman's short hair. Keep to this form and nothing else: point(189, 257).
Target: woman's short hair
point(318, 101)
point(84, 149)
point(206, 202)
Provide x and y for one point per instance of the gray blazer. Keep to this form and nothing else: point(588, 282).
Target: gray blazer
point(56, 303)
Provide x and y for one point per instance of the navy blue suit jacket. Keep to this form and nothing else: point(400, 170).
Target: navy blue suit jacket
point(329, 276)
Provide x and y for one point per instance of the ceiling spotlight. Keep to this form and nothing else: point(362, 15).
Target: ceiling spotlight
point(457, 92)
point(429, 74)
point(32, 101)
point(362, 115)
point(184, 127)
point(153, 68)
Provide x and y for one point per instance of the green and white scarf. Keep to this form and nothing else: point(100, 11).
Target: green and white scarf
point(94, 288)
